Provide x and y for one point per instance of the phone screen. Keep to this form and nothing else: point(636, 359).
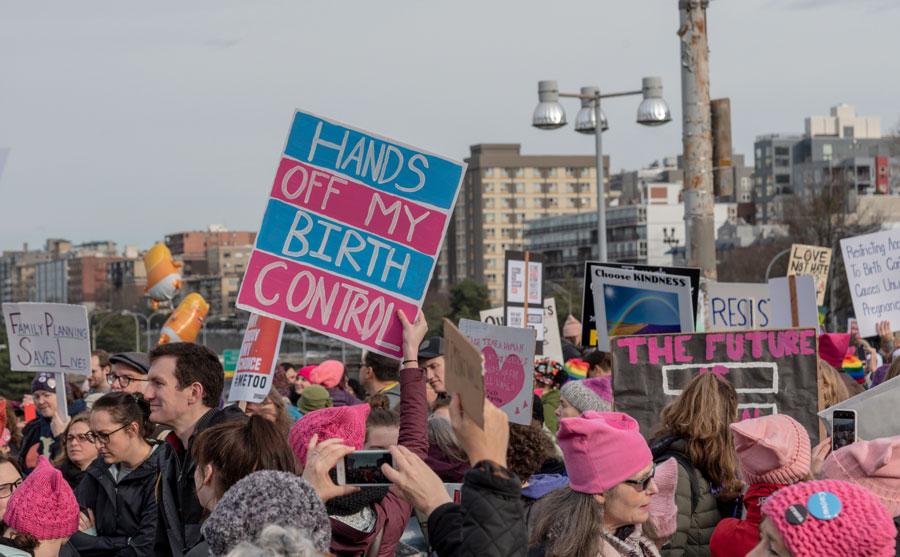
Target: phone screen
point(843, 429)
point(364, 467)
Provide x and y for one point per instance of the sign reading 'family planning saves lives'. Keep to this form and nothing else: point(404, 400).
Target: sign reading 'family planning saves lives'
point(351, 232)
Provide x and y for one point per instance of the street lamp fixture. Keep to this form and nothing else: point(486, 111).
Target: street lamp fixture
point(550, 115)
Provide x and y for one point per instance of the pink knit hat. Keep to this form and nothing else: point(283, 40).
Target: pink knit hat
point(305, 372)
point(772, 449)
point(328, 374)
point(572, 327)
point(601, 449)
point(875, 465)
point(44, 505)
point(344, 422)
point(833, 347)
point(862, 526)
point(663, 510)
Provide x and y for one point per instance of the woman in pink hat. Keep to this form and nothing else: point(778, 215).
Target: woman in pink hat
point(605, 510)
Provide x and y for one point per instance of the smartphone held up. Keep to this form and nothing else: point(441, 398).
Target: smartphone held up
point(843, 428)
point(363, 468)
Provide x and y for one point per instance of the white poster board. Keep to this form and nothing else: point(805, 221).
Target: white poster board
point(256, 363)
point(872, 262)
point(641, 303)
point(737, 306)
point(876, 411)
point(508, 366)
point(793, 302)
point(552, 341)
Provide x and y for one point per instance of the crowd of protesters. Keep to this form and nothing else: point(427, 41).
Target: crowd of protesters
point(150, 461)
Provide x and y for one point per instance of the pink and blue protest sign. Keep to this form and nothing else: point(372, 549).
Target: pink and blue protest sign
point(351, 233)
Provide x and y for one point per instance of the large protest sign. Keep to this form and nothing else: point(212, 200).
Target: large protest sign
point(551, 347)
point(793, 302)
point(351, 232)
point(872, 263)
point(51, 338)
point(524, 279)
point(737, 306)
point(638, 303)
point(592, 270)
point(772, 372)
point(814, 261)
point(876, 411)
point(464, 372)
point(508, 366)
point(255, 368)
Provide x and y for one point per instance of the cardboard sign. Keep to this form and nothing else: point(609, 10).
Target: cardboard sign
point(876, 411)
point(591, 270)
point(772, 371)
point(508, 366)
point(351, 233)
point(793, 302)
point(811, 260)
point(551, 346)
point(639, 303)
point(48, 337)
point(463, 372)
point(523, 293)
point(872, 262)
point(737, 306)
point(254, 371)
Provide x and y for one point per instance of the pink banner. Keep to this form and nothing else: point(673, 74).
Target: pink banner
point(388, 216)
point(324, 302)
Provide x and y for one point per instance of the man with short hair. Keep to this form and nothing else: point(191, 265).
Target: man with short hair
point(99, 370)
point(289, 371)
point(380, 375)
point(431, 359)
point(129, 372)
point(184, 389)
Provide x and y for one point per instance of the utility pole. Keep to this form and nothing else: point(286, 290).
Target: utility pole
point(700, 245)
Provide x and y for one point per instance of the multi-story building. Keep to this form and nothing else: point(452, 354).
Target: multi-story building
point(17, 273)
point(228, 260)
point(51, 281)
point(841, 147)
point(87, 281)
point(219, 291)
point(503, 189)
point(127, 280)
point(193, 245)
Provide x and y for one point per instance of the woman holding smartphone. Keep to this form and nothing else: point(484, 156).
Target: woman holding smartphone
point(117, 496)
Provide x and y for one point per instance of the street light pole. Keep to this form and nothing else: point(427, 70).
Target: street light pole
point(601, 188)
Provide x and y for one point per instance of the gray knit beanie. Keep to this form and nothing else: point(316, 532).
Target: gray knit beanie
point(589, 394)
point(263, 498)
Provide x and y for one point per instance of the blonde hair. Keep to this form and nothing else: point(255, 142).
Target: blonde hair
point(893, 371)
point(835, 391)
point(701, 415)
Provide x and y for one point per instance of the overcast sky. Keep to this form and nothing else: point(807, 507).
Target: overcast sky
point(130, 120)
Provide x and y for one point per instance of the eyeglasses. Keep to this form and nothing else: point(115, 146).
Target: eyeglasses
point(645, 483)
point(95, 437)
point(7, 489)
point(123, 380)
point(80, 437)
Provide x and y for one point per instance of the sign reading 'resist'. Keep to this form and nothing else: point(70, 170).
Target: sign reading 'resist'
point(351, 232)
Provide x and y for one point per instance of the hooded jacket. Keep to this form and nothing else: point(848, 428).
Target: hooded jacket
point(179, 511)
point(391, 513)
point(737, 537)
point(125, 512)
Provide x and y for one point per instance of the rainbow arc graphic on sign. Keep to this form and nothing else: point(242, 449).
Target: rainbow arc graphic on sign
point(635, 311)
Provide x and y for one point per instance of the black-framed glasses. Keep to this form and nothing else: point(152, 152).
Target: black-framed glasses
point(80, 437)
point(123, 380)
point(7, 489)
point(645, 483)
point(94, 436)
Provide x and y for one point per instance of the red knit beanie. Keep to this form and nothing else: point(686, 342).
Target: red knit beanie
point(44, 505)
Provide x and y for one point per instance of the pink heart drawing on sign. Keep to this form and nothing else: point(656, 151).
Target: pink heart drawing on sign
point(502, 382)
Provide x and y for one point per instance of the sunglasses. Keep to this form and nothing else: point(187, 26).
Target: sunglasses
point(645, 483)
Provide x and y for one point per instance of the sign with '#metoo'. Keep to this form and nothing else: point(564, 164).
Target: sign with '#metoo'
point(351, 232)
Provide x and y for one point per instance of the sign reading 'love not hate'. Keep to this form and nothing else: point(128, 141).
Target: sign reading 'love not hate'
point(352, 230)
point(508, 365)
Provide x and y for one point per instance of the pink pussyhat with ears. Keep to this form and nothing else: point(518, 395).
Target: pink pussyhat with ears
point(772, 449)
point(328, 374)
point(875, 465)
point(343, 422)
point(44, 505)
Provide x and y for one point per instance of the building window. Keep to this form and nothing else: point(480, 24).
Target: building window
point(490, 263)
point(551, 188)
point(826, 151)
point(535, 188)
point(570, 171)
point(488, 187)
point(489, 217)
point(520, 187)
point(488, 202)
point(782, 151)
point(537, 202)
point(520, 202)
point(570, 202)
point(488, 172)
point(585, 201)
point(520, 172)
point(490, 277)
point(553, 172)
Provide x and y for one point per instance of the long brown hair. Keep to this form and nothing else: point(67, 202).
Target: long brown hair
point(569, 523)
point(63, 455)
point(701, 415)
point(238, 448)
point(892, 371)
point(15, 434)
point(834, 389)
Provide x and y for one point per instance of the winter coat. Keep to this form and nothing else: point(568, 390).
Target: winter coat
point(340, 397)
point(391, 513)
point(179, 511)
point(8, 550)
point(734, 536)
point(71, 473)
point(550, 402)
point(37, 440)
point(693, 530)
point(447, 471)
point(125, 512)
point(540, 485)
point(570, 351)
point(487, 521)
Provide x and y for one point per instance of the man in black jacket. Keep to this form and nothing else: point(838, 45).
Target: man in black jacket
point(184, 387)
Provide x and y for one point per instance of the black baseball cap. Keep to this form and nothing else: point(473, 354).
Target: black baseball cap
point(137, 360)
point(431, 348)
